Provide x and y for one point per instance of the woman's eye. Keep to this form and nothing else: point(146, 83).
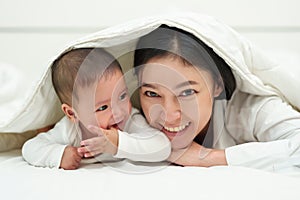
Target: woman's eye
point(187, 92)
point(151, 94)
point(123, 96)
point(101, 108)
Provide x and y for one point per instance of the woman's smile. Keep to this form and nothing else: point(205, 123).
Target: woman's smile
point(175, 130)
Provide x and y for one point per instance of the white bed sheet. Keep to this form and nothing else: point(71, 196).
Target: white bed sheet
point(21, 181)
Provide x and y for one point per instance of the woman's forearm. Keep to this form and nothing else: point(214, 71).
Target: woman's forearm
point(197, 155)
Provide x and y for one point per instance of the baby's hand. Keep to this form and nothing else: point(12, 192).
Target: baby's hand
point(71, 158)
point(106, 141)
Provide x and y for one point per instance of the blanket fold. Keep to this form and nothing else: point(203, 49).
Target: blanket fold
point(254, 72)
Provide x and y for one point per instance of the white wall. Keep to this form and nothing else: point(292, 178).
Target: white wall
point(32, 31)
point(99, 13)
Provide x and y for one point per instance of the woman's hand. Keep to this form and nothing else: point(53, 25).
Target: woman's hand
point(197, 155)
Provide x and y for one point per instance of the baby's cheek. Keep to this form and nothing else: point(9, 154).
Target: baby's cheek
point(101, 121)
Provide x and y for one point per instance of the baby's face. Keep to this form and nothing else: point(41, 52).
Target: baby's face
point(105, 104)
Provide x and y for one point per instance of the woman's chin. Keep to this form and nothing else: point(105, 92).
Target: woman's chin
point(176, 147)
point(180, 142)
point(181, 139)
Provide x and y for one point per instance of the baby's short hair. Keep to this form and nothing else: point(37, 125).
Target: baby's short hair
point(80, 67)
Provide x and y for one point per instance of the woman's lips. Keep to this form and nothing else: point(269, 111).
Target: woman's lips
point(175, 131)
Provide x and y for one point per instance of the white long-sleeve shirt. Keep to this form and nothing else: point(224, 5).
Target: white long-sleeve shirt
point(138, 142)
point(258, 132)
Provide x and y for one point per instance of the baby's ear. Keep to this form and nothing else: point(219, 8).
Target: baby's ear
point(69, 112)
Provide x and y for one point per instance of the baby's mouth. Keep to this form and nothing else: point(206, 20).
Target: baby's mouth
point(115, 126)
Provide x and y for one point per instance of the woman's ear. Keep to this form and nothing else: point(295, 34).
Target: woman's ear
point(219, 87)
point(69, 112)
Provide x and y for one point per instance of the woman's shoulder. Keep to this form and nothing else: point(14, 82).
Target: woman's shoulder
point(249, 106)
point(242, 101)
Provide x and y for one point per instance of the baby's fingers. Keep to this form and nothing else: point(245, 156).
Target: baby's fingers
point(82, 150)
point(90, 153)
point(92, 141)
point(93, 153)
point(85, 152)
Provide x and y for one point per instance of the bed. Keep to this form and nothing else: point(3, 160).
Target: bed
point(97, 181)
point(122, 179)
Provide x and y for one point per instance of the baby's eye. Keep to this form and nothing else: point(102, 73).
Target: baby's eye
point(123, 96)
point(151, 94)
point(187, 92)
point(101, 108)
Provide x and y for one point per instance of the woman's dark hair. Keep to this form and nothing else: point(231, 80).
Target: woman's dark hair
point(171, 41)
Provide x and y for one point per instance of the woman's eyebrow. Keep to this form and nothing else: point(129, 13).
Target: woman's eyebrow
point(183, 84)
point(147, 85)
point(186, 83)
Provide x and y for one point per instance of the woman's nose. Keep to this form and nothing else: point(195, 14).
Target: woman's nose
point(172, 111)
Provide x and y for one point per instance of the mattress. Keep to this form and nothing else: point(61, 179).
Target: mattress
point(128, 180)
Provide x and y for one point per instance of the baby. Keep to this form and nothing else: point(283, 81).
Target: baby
point(99, 119)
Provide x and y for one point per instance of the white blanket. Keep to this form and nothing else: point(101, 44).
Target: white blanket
point(11, 79)
point(96, 181)
point(254, 72)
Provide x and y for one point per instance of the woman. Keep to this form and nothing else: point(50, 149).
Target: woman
point(191, 94)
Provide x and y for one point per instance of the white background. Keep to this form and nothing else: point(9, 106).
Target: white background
point(33, 31)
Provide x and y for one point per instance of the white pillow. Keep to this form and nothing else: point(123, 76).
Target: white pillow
point(11, 87)
point(26, 103)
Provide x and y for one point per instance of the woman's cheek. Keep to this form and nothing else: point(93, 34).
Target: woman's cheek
point(190, 108)
point(156, 114)
point(152, 111)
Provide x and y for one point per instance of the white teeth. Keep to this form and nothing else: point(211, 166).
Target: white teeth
point(176, 129)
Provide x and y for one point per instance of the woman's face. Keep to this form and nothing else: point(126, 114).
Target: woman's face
point(177, 98)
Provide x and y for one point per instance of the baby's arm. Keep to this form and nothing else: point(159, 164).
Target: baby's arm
point(141, 142)
point(48, 149)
